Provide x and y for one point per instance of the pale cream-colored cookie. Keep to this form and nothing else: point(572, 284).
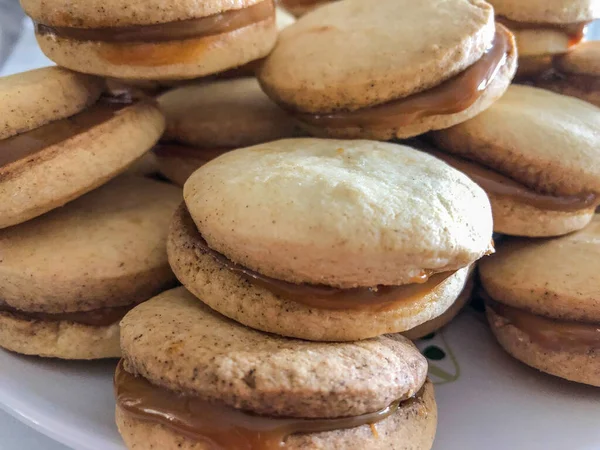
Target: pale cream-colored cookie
point(283, 19)
point(581, 367)
point(583, 59)
point(342, 213)
point(441, 321)
point(106, 249)
point(177, 343)
point(538, 42)
point(411, 427)
point(178, 168)
point(550, 277)
point(51, 165)
point(229, 113)
point(154, 40)
point(344, 56)
point(258, 307)
point(31, 99)
point(58, 339)
point(548, 11)
point(526, 134)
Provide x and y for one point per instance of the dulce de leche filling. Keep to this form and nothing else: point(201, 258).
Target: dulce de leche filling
point(185, 29)
point(222, 427)
point(101, 317)
point(451, 97)
point(497, 184)
point(27, 144)
point(553, 334)
point(575, 31)
point(322, 296)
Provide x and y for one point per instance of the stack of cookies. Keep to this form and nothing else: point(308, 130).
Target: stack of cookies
point(306, 262)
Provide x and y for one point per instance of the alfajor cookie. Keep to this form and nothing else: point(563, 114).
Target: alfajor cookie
point(152, 39)
point(68, 277)
point(576, 73)
point(207, 119)
point(350, 70)
point(192, 379)
point(59, 142)
point(300, 7)
point(544, 28)
point(543, 303)
point(329, 240)
point(536, 154)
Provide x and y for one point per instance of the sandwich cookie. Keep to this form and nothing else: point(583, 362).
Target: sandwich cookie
point(152, 39)
point(329, 240)
point(537, 155)
point(300, 7)
point(68, 277)
point(576, 73)
point(426, 65)
point(192, 379)
point(544, 28)
point(59, 142)
point(543, 304)
point(208, 119)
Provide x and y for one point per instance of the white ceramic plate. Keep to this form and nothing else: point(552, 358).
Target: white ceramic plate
point(486, 399)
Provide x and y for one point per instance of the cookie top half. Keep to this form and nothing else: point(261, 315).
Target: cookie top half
point(546, 141)
point(350, 55)
point(177, 342)
point(553, 277)
point(342, 213)
point(548, 11)
point(105, 249)
point(583, 59)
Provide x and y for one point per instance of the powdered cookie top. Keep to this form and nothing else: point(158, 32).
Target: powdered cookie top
point(224, 114)
point(548, 11)
point(178, 343)
point(343, 213)
point(584, 59)
point(31, 99)
point(553, 277)
point(106, 249)
point(527, 134)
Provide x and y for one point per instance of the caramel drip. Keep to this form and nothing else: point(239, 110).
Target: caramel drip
point(450, 97)
point(219, 426)
point(171, 31)
point(102, 317)
point(553, 334)
point(501, 186)
point(575, 31)
point(322, 296)
point(27, 144)
point(168, 149)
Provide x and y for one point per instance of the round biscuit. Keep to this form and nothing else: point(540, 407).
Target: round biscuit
point(548, 11)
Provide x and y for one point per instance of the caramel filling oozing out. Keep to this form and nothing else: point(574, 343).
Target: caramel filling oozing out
point(102, 317)
point(185, 29)
point(575, 31)
point(451, 97)
point(322, 296)
point(220, 426)
point(497, 184)
point(28, 144)
point(553, 334)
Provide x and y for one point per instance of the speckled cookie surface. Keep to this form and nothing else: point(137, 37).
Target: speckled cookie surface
point(59, 173)
point(31, 99)
point(259, 308)
point(349, 55)
point(548, 11)
point(229, 113)
point(583, 59)
point(119, 13)
point(61, 339)
point(526, 134)
point(412, 427)
point(177, 342)
point(551, 277)
point(107, 248)
point(343, 213)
